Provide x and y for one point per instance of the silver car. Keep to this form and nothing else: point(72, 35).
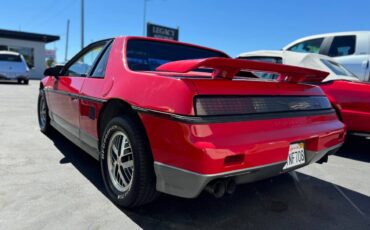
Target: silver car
point(351, 49)
point(13, 67)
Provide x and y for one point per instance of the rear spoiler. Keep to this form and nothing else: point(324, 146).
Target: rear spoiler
point(228, 68)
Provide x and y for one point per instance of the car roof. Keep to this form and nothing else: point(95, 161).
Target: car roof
point(325, 35)
point(9, 52)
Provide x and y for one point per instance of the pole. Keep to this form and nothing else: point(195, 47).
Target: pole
point(144, 19)
point(67, 37)
point(82, 24)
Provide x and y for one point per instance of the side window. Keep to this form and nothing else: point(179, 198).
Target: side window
point(82, 66)
point(99, 71)
point(342, 46)
point(308, 46)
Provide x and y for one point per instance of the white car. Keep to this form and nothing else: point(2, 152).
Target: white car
point(351, 49)
point(13, 67)
point(307, 60)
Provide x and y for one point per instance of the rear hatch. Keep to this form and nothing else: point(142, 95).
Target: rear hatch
point(222, 92)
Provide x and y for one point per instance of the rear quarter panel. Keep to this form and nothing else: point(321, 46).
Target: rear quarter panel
point(147, 90)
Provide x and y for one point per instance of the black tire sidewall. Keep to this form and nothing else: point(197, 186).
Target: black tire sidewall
point(47, 123)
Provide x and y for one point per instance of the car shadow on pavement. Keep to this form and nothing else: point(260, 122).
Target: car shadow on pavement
point(292, 200)
point(356, 148)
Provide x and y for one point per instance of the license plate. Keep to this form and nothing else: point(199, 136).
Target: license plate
point(296, 156)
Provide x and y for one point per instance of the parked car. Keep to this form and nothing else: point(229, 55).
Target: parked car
point(13, 67)
point(351, 49)
point(166, 116)
point(348, 95)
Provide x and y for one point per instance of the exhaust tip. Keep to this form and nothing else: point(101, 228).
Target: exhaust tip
point(217, 188)
point(230, 187)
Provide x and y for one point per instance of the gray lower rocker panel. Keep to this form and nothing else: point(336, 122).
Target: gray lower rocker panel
point(188, 184)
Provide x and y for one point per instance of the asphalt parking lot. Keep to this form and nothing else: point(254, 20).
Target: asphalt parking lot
point(48, 183)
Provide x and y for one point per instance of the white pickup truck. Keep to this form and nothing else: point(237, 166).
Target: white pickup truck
point(351, 49)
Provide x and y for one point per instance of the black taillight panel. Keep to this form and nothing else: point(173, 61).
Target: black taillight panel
point(241, 105)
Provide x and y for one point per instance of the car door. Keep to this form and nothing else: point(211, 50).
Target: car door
point(96, 85)
point(65, 98)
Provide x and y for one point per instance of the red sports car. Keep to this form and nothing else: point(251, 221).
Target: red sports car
point(165, 116)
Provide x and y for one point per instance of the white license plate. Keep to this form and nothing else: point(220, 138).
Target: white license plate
point(296, 156)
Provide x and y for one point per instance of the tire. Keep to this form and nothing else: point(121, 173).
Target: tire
point(43, 113)
point(26, 82)
point(122, 189)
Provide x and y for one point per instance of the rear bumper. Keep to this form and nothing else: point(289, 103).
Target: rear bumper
point(4, 76)
point(188, 184)
point(188, 155)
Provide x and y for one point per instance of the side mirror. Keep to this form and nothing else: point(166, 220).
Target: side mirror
point(54, 71)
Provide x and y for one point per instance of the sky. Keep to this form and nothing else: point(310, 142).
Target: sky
point(233, 26)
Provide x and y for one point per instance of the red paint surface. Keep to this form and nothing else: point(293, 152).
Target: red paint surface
point(352, 100)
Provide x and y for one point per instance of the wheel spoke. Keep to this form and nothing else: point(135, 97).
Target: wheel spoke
point(115, 170)
point(123, 145)
point(123, 178)
point(127, 174)
point(115, 153)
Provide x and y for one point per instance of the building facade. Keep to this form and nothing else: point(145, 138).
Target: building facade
point(30, 45)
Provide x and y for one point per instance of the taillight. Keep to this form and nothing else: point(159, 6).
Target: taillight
point(240, 105)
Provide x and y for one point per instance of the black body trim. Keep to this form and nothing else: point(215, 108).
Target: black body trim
point(231, 118)
point(86, 142)
point(77, 96)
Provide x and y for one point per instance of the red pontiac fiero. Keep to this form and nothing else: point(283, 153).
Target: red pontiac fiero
point(165, 116)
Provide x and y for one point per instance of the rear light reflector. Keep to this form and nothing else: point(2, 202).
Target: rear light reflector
point(241, 105)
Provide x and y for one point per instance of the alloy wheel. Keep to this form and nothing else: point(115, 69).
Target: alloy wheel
point(120, 161)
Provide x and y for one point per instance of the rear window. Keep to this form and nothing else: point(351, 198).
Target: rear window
point(11, 58)
point(143, 55)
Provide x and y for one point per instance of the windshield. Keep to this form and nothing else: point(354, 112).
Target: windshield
point(144, 55)
point(338, 69)
point(10, 58)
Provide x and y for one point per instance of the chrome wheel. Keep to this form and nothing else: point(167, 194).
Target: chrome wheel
point(120, 161)
point(42, 112)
